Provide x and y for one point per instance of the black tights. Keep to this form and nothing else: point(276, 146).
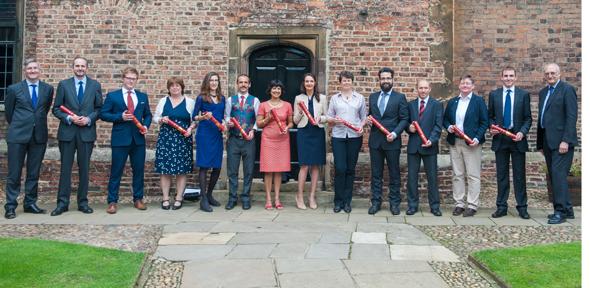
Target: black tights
point(212, 181)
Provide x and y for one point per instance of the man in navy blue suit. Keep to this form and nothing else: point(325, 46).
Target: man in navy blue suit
point(557, 136)
point(127, 140)
point(468, 113)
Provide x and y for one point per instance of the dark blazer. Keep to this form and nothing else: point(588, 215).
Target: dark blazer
point(23, 121)
point(90, 107)
point(560, 116)
point(521, 115)
point(431, 124)
point(124, 131)
point(395, 119)
point(476, 119)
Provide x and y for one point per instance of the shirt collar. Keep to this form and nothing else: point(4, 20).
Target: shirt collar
point(425, 99)
point(506, 89)
point(468, 96)
point(125, 91)
point(554, 86)
point(29, 83)
point(76, 80)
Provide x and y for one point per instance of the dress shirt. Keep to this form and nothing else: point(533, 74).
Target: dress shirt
point(546, 99)
point(386, 95)
point(133, 96)
point(76, 81)
point(228, 107)
point(425, 102)
point(353, 110)
point(462, 105)
point(512, 104)
point(29, 83)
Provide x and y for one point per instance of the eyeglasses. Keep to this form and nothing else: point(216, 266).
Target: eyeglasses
point(130, 78)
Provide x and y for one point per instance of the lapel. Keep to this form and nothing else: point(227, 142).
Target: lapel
point(498, 98)
point(470, 108)
point(72, 92)
point(137, 108)
point(426, 109)
point(453, 109)
point(556, 92)
point(389, 102)
point(25, 92)
point(87, 90)
point(518, 98)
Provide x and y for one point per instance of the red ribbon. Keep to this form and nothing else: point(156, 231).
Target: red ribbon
point(379, 125)
point(420, 132)
point(306, 112)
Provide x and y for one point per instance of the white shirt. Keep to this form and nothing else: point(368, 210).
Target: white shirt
point(425, 102)
point(511, 104)
point(228, 107)
point(462, 105)
point(29, 83)
point(76, 81)
point(352, 110)
point(133, 96)
point(386, 95)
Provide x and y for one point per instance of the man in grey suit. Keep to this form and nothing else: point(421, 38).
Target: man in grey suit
point(557, 136)
point(27, 104)
point(428, 113)
point(390, 108)
point(510, 108)
point(83, 96)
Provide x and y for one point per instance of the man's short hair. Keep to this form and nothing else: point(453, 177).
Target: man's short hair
point(29, 61)
point(423, 80)
point(508, 68)
point(242, 75)
point(467, 76)
point(79, 57)
point(551, 64)
point(345, 74)
point(129, 70)
point(385, 70)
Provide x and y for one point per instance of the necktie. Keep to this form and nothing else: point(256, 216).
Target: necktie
point(310, 108)
point(34, 96)
point(130, 105)
point(382, 103)
point(242, 102)
point(551, 88)
point(421, 109)
point(507, 110)
point(80, 92)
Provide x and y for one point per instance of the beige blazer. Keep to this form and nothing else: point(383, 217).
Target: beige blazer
point(319, 110)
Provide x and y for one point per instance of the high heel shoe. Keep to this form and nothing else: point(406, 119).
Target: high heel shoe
point(268, 206)
point(299, 204)
point(278, 205)
point(165, 204)
point(313, 204)
point(176, 207)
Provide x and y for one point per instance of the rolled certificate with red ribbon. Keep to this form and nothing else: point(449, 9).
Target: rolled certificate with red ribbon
point(174, 125)
point(219, 126)
point(239, 127)
point(306, 112)
point(503, 131)
point(420, 132)
point(379, 125)
point(460, 133)
point(276, 117)
point(67, 111)
point(349, 125)
point(142, 129)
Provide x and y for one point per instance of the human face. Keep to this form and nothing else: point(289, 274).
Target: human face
point(309, 84)
point(346, 84)
point(386, 81)
point(276, 92)
point(423, 89)
point(213, 83)
point(466, 86)
point(32, 72)
point(175, 90)
point(129, 80)
point(552, 74)
point(243, 84)
point(508, 78)
point(80, 68)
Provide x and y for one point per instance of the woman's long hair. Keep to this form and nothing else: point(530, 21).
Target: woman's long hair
point(302, 89)
point(206, 88)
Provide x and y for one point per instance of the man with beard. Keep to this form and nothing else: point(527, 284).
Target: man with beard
point(389, 108)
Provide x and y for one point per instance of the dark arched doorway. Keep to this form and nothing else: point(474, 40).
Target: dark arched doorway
point(285, 63)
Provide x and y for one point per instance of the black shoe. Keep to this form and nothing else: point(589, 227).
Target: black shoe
point(230, 205)
point(394, 209)
point(347, 208)
point(246, 205)
point(524, 214)
point(556, 219)
point(176, 207)
point(337, 208)
point(10, 214)
point(374, 209)
point(204, 205)
point(411, 211)
point(436, 212)
point(499, 213)
point(59, 210)
point(212, 200)
point(458, 211)
point(167, 206)
point(85, 209)
point(569, 214)
point(34, 209)
point(469, 212)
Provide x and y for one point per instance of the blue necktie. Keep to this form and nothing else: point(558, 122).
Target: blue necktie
point(310, 108)
point(80, 92)
point(382, 103)
point(507, 110)
point(551, 88)
point(34, 96)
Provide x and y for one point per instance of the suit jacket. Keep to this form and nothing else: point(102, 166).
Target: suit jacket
point(124, 131)
point(394, 118)
point(431, 124)
point(90, 107)
point(319, 110)
point(521, 116)
point(476, 118)
point(23, 121)
point(561, 115)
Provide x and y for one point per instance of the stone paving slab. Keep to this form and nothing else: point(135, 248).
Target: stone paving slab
point(314, 279)
point(422, 253)
point(366, 218)
point(238, 273)
point(307, 265)
point(474, 221)
point(430, 221)
point(339, 237)
point(368, 238)
point(328, 251)
point(289, 250)
point(196, 238)
point(379, 227)
point(374, 266)
point(275, 237)
point(193, 252)
point(251, 251)
point(369, 251)
point(190, 227)
point(311, 218)
point(409, 280)
point(514, 221)
point(409, 235)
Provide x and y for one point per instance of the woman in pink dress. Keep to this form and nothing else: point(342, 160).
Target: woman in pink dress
point(275, 150)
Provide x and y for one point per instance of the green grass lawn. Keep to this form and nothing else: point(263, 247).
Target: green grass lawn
point(41, 263)
point(556, 265)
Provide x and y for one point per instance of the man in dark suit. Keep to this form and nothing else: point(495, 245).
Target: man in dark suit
point(27, 104)
point(83, 96)
point(467, 113)
point(127, 140)
point(428, 112)
point(557, 137)
point(390, 108)
point(510, 108)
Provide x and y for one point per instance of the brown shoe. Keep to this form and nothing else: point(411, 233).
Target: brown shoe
point(458, 211)
point(112, 208)
point(139, 204)
point(469, 212)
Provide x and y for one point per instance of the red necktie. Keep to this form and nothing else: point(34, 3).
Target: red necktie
point(421, 109)
point(130, 106)
point(242, 103)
